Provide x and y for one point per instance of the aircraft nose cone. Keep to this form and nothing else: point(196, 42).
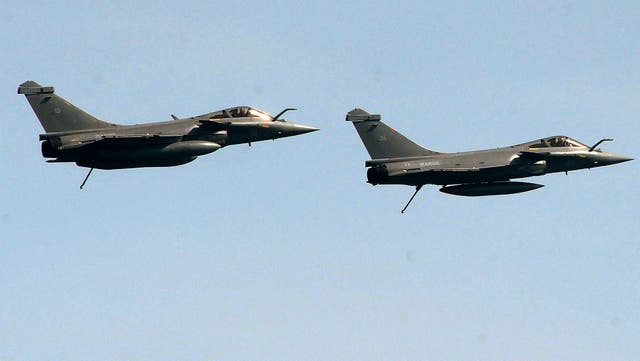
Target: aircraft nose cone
point(624, 159)
point(307, 129)
point(614, 159)
point(287, 129)
point(297, 129)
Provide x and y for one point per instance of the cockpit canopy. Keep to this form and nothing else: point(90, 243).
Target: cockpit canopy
point(241, 112)
point(556, 142)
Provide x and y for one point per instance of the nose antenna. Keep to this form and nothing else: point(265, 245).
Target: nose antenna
point(600, 141)
point(282, 112)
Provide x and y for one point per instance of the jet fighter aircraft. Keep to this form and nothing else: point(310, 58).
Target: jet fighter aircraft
point(73, 135)
point(397, 160)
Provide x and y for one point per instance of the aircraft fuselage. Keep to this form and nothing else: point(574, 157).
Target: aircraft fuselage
point(168, 143)
point(491, 165)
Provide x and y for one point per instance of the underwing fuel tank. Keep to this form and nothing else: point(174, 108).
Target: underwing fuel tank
point(489, 189)
point(189, 148)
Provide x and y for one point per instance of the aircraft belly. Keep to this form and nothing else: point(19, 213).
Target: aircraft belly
point(458, 172)
point(440, 176)
point(183, 149)
point(111, 157)
point(122, 164)
point(459, 176)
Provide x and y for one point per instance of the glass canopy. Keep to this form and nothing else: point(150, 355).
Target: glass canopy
point(241, 112)
point(556, 142)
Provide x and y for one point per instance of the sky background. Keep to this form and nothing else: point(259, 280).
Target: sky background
point(281, 251)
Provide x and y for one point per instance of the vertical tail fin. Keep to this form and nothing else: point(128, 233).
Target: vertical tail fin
point(55, 113)
point(381, 140)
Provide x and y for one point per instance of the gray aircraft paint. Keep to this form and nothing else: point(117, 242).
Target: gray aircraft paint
point(397, 160)
point(73, 135)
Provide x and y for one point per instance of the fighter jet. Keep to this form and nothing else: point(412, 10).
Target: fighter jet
point(397, 160)
point(73, 135)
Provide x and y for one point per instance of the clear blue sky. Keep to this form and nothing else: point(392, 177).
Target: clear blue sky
point(281, 251)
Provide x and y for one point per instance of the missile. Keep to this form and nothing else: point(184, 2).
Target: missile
point(489, 189)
